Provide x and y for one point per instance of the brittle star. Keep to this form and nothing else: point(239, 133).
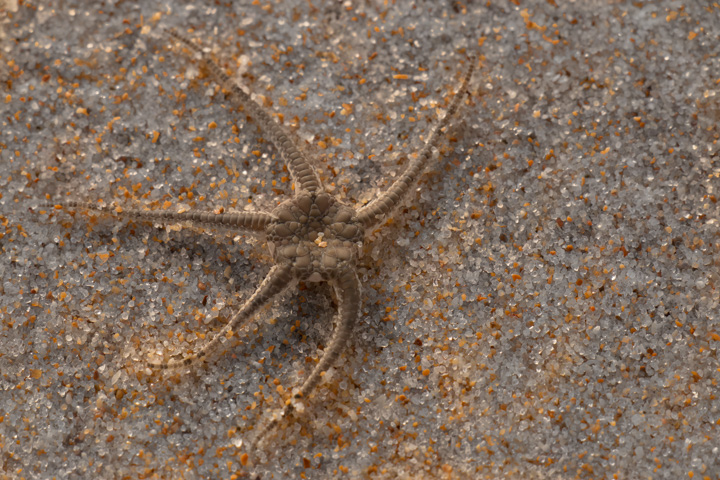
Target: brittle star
point(311, 236)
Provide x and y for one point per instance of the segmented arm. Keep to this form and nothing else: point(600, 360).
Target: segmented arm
point(300, 169)
point(250, 221)
point(372, 214)
point(348, 287)
point(277, 280)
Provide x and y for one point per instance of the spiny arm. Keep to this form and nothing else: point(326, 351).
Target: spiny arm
point(372, 214)
point(275, 282)
point(348, 286)
point(249, 221)
point(300, 169)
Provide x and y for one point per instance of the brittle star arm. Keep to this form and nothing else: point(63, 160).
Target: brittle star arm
point(277, 280)
point(348, 287)
point(300, 169)
point(248, 221)
point(373, 213)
